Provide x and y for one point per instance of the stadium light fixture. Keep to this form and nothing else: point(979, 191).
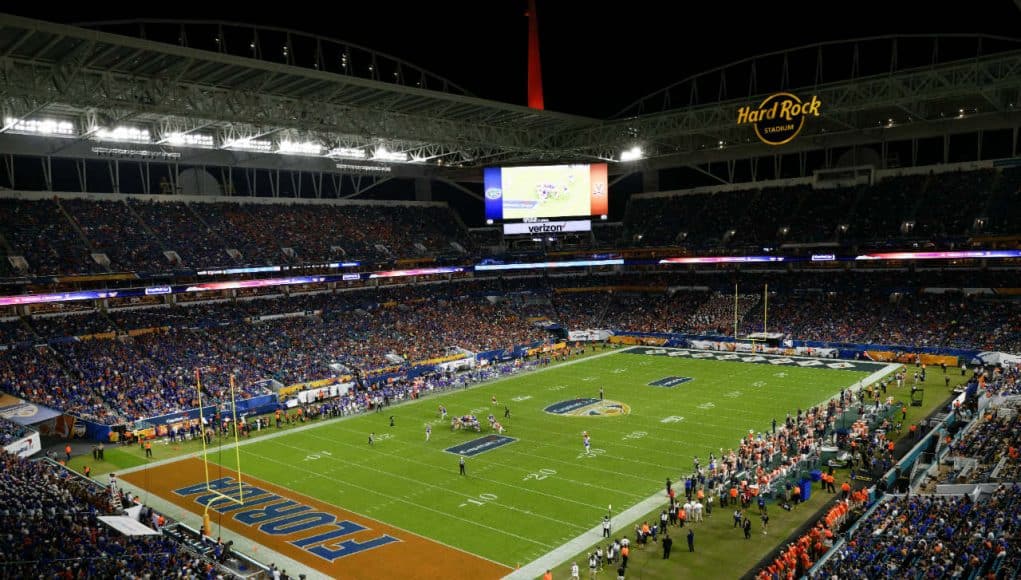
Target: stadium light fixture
point(190, 139)
point(383, 154)
point(124, 134)
point(633, 154)
point(260, 145)
point(40, 126)
point(299, 148)
point(364, 169)
point(135, 153)
point(348, 153)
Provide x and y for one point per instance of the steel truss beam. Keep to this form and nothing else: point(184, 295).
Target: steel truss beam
point(99, 79)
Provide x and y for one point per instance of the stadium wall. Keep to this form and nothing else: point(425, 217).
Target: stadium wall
point(844, 349)
point(49, 195)
point(254, 406)
point(880, 174)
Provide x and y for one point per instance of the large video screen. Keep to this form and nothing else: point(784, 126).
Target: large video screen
point(547, 191)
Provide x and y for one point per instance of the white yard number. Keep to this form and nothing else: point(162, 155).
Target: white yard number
point(635, 435)
point(540, 475)
point(671, 419)
point(759, 384)
point(521, 398)
point(733, 394)
point(706, 406)
point(592, 453)
point(558, 387)
point(619, 371)
point(483, 499)
point(314, 456)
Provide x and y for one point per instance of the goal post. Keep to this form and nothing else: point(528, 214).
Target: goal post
point(240, 494)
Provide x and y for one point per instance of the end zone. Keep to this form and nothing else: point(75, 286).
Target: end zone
point(324, 537)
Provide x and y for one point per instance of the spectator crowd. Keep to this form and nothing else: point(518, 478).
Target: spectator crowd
point(51, 530)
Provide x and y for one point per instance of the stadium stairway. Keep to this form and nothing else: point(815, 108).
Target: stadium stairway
point(78, 230)
point(233, 253)
point(145, 227)
point(71, 373)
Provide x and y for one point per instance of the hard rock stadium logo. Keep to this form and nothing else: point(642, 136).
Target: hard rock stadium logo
point(780, 117)
point(588, 408)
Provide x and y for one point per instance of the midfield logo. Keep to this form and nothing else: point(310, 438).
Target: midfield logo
point(588, 408)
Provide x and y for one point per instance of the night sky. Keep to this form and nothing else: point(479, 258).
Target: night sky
point(596, 61)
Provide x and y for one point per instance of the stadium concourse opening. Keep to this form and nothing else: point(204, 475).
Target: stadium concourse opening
point(268, 297)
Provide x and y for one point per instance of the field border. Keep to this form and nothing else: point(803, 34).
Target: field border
point(562, 553)
point(331, 420)
point(267, 550)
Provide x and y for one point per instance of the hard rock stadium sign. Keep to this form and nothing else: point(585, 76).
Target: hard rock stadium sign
point(779, 118)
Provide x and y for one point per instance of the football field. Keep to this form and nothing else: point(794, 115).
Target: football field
point(535, 487)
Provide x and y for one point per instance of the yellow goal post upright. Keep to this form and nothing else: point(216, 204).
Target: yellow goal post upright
point(240, 495)
point(735, 311)
point(765, 318)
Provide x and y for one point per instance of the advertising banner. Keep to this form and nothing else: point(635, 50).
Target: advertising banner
point(760, 348)
point(25, 447)
point(545, 227)
point(588, 335)
point(22, 412)
point(337, 390)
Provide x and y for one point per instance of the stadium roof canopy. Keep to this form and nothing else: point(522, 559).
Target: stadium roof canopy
point(339, 96)
point(237, 95)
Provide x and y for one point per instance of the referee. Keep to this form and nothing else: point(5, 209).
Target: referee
point(461, 464)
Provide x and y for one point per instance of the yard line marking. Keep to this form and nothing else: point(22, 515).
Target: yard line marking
point(459, 519)
point(560, 554)
point(293, 492)
point(437, 467)
point(422, 483)
point(335, 420)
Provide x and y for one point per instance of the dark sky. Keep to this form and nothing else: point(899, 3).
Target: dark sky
point(597, 57)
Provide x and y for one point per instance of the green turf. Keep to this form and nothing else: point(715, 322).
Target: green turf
point(119, 456)
point(719, 547)
point(523, 499)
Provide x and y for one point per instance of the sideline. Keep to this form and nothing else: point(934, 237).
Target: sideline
point(263, 553)
point(330, 421)
point(561, 554)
